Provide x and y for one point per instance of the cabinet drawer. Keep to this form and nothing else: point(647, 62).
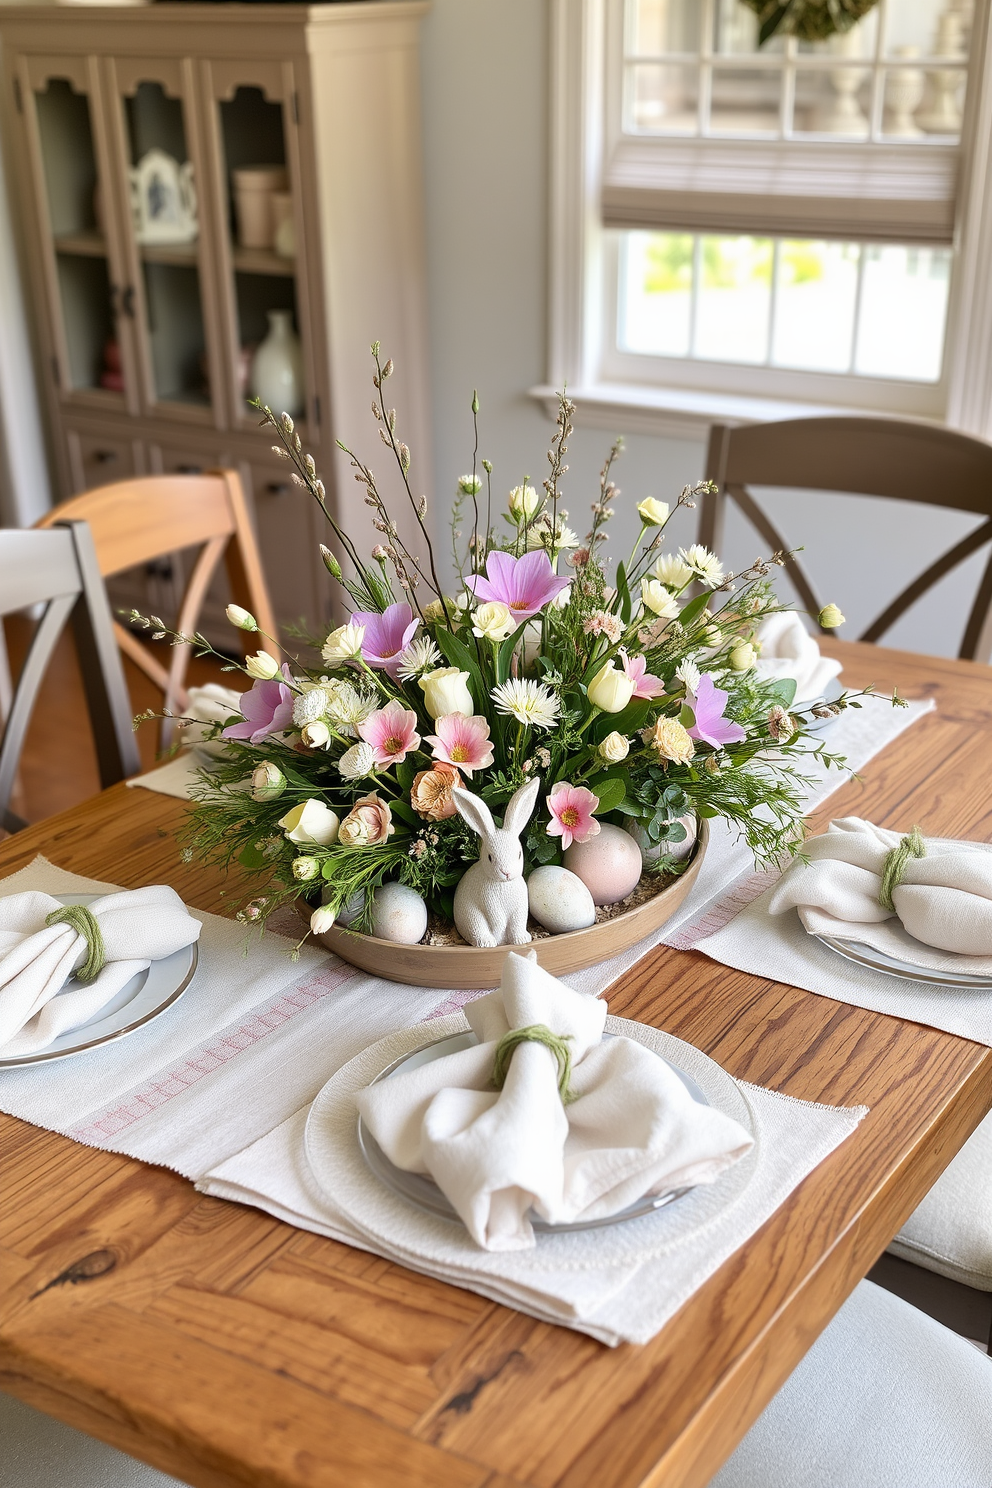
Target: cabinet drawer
point(96, 460)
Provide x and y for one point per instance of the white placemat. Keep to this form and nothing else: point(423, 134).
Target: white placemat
point(620, 1283)
point(778, 948)
point(174, 778)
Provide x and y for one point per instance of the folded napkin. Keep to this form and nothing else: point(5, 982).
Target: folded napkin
point(570, 1138)
point(788, 650)
point(208, 705)
point(937, 913)
point(38, 959)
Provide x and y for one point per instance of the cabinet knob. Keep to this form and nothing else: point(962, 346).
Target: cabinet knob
point(105, 457)
point(189, 469)
point(277, 488)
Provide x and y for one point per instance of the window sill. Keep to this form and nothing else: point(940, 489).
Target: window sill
point(681, 413)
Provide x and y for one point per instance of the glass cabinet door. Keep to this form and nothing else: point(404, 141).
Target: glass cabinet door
point(260, 237)
point(93, 355)
point(153, 129)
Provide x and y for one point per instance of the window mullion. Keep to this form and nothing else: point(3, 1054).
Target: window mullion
point(788, 100)
point(697, 270)
point(773, 299)
point(706, 66)
point(856, 317)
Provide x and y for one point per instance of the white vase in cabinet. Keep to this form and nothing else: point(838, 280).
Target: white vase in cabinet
point(277, 368)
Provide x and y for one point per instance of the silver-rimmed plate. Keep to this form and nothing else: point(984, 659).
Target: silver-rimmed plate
point(422, 1191)
point(907, 971)
point(143, 998)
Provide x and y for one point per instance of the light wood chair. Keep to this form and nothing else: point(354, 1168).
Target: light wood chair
point(868, 457)
point(136, 521)
point(59, 570)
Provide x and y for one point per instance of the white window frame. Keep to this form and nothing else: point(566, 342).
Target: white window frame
point(682, 396)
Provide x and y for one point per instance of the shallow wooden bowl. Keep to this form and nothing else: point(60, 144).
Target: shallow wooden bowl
point(480, 966)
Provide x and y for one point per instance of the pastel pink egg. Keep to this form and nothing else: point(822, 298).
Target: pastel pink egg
point(609, 864)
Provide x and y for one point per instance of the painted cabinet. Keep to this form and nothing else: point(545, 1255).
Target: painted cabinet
point(129, 135)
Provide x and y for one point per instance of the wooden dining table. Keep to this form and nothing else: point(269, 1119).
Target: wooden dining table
point(226, 1347)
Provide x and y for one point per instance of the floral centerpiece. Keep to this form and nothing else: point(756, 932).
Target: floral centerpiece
point(574, 699)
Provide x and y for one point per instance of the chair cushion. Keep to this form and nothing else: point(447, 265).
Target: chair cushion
point(951, 1231)
point(37, 1452)
point(885, 1398)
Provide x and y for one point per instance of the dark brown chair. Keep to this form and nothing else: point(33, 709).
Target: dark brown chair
point(898, 458)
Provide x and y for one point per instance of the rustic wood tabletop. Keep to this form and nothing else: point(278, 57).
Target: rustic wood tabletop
point(228, 1348)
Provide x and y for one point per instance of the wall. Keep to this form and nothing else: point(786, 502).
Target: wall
point(485, 71)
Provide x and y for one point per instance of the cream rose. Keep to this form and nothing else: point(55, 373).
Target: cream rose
point(670, 740)
point(493, 621)
point(446, 691)
point(653, 513)
point(614, 748)
point(262, 667)
point(311, 824)
point(611, 689)
point(267, 782)
point(368, 823)
point(343, 644)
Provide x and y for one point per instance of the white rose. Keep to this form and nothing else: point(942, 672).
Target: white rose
point(653, 513)
point(743, 657)
point(357, 761)
point(321, 920)
point(262, 667)
point(493, 621)
point(316, 735)
point(312, 825)
point(305, 868)
point(343, 644)
point(657, 599)
point(241, 618)
point(446, 691)
point(611, 689)
point(614, 748)
point(267, 782)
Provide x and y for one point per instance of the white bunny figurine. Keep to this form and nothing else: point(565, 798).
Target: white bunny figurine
point(491, 897)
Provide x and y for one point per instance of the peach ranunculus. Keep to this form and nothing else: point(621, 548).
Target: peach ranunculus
point(430, 794)
point(671, 741)
point(368, 823)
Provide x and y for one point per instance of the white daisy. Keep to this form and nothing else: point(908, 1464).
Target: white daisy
point(310, 707)
point(358, 761)
point(688, 672)
point(539, 536)
point(528, 702)
point(672, 572)
point(420, 656)
point(705, 565)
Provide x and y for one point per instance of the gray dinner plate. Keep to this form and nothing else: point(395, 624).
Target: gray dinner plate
point(907, 971)
point(422, 1191)
point(144, 997)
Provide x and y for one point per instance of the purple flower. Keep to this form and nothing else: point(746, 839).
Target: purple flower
point(267, 709)
point(386, 635)
point(710, 725)
point(525, 585)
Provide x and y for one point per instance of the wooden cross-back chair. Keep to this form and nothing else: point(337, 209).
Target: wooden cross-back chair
point(134, 522)
point(59, 570)
point(868, 457)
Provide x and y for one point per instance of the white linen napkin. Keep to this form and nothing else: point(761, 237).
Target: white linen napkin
point(942, 918)
point(37, 960)
point(632, 1128)
point(788, 650)
point(207, 705)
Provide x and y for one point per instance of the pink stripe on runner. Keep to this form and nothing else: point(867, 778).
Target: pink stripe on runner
point(744, 892)
point(213, 1053)
point(454, 1003)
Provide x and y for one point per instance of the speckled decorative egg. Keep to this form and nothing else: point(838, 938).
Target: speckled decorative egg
point(670, 852)
point(559, 900)
point(609, 864)
point(398, 914)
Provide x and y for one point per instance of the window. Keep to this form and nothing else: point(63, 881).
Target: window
point(798, 222)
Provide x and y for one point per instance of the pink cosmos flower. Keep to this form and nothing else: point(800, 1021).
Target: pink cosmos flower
point(710, 726)
point(525, 585)
point(267, 708)
point(645, 685)
point(462, 741)
point(572, 808)
point(386, 635)
point(392, 732)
